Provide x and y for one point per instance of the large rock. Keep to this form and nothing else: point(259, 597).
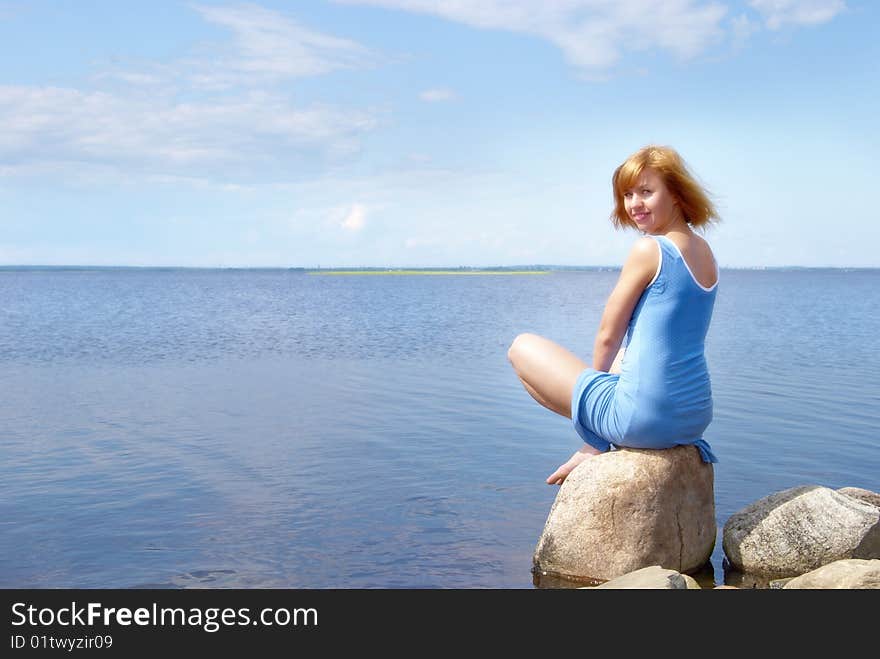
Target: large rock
point(851, 573)
point(628, 509)
point(800, 529)
point(653, 578)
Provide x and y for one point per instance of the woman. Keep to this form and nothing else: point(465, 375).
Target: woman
point(656, 392)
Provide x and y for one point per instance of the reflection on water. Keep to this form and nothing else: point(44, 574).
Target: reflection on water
point(738, 579)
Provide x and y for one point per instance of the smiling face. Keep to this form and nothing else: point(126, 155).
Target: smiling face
point(649, 204)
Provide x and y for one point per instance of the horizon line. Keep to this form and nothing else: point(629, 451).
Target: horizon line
point(388, 268)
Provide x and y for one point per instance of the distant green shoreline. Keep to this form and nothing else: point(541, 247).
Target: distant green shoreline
point(428, 272)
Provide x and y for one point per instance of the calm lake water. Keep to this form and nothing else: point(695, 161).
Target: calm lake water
point(272, 428)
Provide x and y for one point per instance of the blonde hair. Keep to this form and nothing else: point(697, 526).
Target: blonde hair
point(693, 201)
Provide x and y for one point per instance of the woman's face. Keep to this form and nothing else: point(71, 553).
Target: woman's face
point(649, 203)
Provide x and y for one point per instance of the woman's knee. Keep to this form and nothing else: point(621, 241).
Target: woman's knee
point(520, 347)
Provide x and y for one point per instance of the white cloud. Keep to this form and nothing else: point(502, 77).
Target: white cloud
point(229, 138)
point(355, 219)
point(593, 34)
point(778, 13)
point(136, 123)
point(268, 45)
point(437, 95)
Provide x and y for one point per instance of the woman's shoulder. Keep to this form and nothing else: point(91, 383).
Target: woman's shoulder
point(644, 246)
point(692, 245)
point(644, 257)
point(703, 246)
point(699, 259)
point(700, 240)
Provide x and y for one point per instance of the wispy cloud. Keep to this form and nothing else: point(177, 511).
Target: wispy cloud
point(199, 118)
point(223, 139)
point(593, 34)
point(355, 219)
point(266, 48)
point(268, 45)
point(437, 95)
point(743, 28)
point(778, 13)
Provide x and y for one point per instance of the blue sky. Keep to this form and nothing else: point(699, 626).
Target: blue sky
point(428, 132)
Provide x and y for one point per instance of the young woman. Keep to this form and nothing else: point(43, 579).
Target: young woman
point(654, 393)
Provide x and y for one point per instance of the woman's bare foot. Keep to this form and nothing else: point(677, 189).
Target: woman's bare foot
point(558, 476)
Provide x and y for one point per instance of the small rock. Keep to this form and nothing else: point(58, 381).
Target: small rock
point(653, 577)
point(853, 573)
point(778, 584)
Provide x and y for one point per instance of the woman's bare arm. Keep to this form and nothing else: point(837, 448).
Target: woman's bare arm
point(638, 271)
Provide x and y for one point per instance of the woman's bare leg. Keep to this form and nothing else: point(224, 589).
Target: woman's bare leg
point(549, 372)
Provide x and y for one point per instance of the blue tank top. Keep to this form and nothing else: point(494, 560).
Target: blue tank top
point(664, 379)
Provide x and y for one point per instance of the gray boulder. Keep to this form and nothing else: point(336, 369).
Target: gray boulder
point(800, 529)
point(851, 573)
point(628, 509)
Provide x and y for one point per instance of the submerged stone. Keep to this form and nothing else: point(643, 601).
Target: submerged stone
point(653, 578)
